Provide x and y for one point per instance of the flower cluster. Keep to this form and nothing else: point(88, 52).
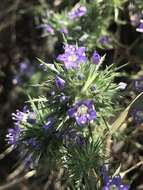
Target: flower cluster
point(73, 56)
point(96, 58)
point(67, 119)
point(77, 23)
point(104, 40)
point(60, 83)
point(14, 133)
point(21, 118)
point(83, 112)
point(112, 182)
point(69, 123)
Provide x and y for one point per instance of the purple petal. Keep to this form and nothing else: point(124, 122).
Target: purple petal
point(88, 103)
point(105, 188)
point(140, 28)
point(60, 83)
point(116, 181)
point(92, 115)
point(77, 11)
point(73, 56)
point(49, 124)
point(104, 40)
point(82, 120)
point(96, 58)
point(71, 112)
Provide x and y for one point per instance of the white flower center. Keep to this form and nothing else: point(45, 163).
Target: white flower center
point(82, 110)
point(72, 58)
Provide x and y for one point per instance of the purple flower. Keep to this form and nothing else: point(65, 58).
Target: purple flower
point(33, 143)
point(24, 65)
point(73, 137)
point(137, 114)
point(63, 98)
point(47, 28)
point(19, 116)
point(26, 68)
point(95, 58)
point(104, 40)
point(83, 112)
point(135, 19)
point(115, 182)
point(31, 118)
point(140, 27)
point(60, 83)
point(49, 124)
point(50, 30)
point(73, 56)
point(77, 11)
point(138, 84)
point(64, 31)
point(13, 135)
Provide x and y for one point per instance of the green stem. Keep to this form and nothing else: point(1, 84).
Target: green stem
point(90, 132)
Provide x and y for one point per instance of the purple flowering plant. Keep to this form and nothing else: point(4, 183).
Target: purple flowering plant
point(140, 27)
point(114, 182)
point(65, 125)
point(82, 21)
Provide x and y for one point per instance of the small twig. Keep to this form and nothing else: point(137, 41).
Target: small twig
point(134, 44)
point(90, 132)
point(15, 173)
point(6, 152)
point(49, 182)
point(58, 180)
point(132, 168)
point(18, 180)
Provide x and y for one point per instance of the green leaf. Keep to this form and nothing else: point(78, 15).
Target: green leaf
point(121, 119)
point(51, 67)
